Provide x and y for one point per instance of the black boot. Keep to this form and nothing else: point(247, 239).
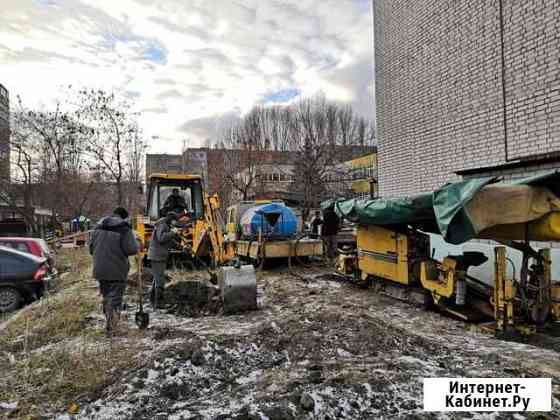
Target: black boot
point(156, 298)
point(160, 301)
point(108, 321)
point(152, 296)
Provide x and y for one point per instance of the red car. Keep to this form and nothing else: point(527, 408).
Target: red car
point(35, 246)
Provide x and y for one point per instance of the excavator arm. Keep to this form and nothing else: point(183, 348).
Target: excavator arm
point(209, 237)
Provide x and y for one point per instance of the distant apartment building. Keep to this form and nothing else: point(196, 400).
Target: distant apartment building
point(211, 163)
point(465, 89)
point(4, 135)
point(273, 170)
point(268, 181)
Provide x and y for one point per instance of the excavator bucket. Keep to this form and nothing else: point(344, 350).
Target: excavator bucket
point(238, 288)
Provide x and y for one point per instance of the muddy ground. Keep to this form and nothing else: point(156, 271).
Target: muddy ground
point(317, 348)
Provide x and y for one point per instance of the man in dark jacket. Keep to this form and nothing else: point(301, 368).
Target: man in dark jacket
point(329, 231)
point(160, 243)
point(316, 223)
point(175, 202)
point(111, 243)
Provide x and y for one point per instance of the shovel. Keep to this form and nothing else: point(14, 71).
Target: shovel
point(141, 318)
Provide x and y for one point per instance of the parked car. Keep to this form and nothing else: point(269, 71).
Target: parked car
point(35, 246)
point(23, 278)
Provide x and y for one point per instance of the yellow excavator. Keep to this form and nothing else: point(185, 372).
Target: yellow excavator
point(201, 238)
point(393, 252)
point(201, 242)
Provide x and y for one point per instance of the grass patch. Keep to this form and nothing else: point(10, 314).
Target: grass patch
point(56, 317)
point(74, 265)
point(52, 380)
point(50, 321)
point(53, 351)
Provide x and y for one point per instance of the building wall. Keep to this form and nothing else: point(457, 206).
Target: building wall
point(163, 163)
point(464, 85)
point(211, 163)
point(272, 181)
point(4, 134)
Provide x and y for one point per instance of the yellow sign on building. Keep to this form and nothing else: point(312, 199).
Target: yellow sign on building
point(368, 161)
point(364, 174)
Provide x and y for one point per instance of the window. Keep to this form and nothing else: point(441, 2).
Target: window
point(20, 246)
point(12, 264)
point(154, 205)
point(198, 205)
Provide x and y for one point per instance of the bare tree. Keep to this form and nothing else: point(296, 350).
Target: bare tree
point(311, 140)
point(243, 154)
point(46, 159)
point(323, 135)
point(114, 131)
point(320, 133)
point(51, 142)
point(72, 157)
point(18, 194)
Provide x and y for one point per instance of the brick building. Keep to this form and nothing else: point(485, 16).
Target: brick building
point(273, 167)
point(465, 89)
point(4, 135)
point(272, 181)
point(211, 163)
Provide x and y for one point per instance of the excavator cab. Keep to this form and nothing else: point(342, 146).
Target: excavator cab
point(200, 233)
point(188, 203)
point(181, 194)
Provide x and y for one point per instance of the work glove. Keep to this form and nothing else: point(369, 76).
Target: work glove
point(175, 230)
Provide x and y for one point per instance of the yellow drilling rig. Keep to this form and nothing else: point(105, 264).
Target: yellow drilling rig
point(394, 255)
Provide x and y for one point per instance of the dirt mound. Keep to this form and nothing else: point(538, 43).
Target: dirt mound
point(193, 298)
point(325, 334)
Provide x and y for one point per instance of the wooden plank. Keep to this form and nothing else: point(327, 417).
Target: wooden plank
point(247, 249)
point(280, 249)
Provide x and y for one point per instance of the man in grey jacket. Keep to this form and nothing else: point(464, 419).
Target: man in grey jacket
point(160, 243)
point(111, 243)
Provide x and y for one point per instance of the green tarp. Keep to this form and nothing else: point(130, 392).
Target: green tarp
point(443, 211)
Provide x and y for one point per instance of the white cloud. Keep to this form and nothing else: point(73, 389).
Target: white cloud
point(191, 65)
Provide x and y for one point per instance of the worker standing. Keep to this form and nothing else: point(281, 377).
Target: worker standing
point(329, 231)
point(160, 243)
point(111, 243)
point(316, 224)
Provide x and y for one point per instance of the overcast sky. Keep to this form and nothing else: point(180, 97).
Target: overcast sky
point(190, 65)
